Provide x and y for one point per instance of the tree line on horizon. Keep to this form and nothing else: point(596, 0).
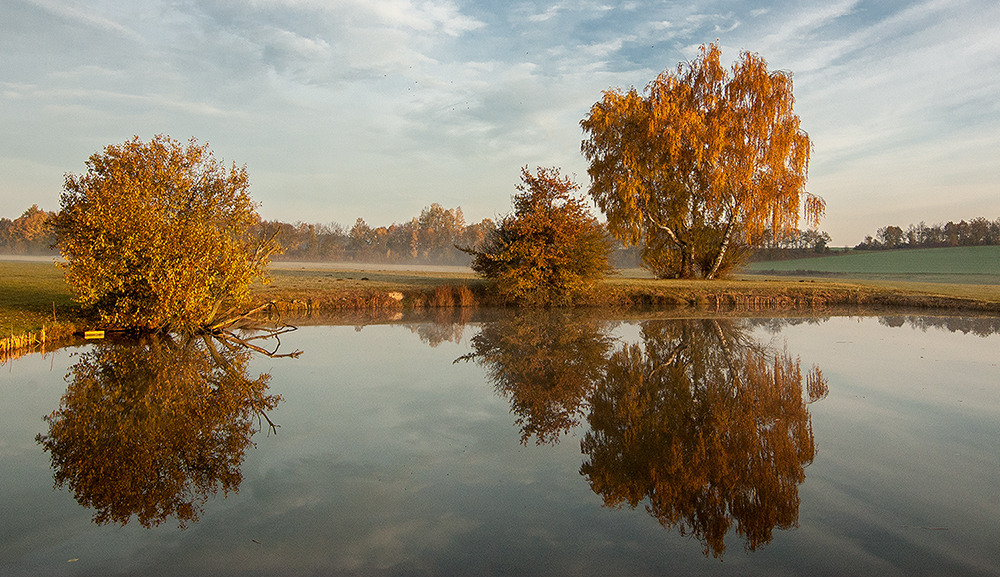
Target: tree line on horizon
point(29, 233)
point(430, 238)
point(978, 231)
point(433, 237)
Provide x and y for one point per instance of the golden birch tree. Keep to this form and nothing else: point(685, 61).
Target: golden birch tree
point(706, 159)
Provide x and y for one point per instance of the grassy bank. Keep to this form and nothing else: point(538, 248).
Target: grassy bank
point(319, 289)
point(33, 295)
point(35, 307)
point(29, 291)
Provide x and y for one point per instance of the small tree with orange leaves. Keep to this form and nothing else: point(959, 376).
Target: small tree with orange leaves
point(707, 159)
point(549, 250)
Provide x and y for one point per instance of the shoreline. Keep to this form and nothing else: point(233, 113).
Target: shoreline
point(31, 289)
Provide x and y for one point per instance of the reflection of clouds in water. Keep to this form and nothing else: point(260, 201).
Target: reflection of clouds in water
point(323, 515)
point(452, 517)
point(333, 492)
point(372, 517)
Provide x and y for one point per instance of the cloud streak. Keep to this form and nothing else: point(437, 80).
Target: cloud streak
point(82, 14)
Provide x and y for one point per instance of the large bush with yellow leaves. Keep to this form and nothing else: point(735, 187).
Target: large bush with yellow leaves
point(157, 236)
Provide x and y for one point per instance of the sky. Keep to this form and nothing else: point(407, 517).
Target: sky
point(377, 108)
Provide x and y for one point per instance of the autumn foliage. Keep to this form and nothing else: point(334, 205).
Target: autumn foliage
point(30, 233)
point(700, 424)
point(549, 249)
point(706, 428)
point(156, 236)
point(704, 161)
point(153, 428)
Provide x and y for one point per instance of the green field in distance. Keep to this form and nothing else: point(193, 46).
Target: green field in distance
point(967, 264)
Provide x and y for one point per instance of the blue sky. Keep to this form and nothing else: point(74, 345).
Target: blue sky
point(377, 108)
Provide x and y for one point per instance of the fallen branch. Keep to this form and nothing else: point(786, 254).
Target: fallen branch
point(271, 333)
point(227, 335)
point(233, 320)
point(270, 423)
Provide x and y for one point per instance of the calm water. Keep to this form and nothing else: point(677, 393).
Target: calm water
point(516, 445)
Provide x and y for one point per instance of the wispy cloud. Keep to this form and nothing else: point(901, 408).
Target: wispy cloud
point(548, 14)
point(83, 14)
point(77, 99)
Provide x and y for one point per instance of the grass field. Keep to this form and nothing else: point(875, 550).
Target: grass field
point(28, 293)
point(963, 265)
point(29, 290)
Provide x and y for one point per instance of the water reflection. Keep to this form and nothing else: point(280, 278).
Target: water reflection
point(153, 428)
point(446, 324)
point(703, 424)
point(546, 364)
point(979, 326)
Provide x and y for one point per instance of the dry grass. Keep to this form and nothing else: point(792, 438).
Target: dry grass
point(346, 289)
point(320, 288)
point(28, 291)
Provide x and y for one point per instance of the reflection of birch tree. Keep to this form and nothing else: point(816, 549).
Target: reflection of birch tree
point(545, 363)
point(152, 428)
point(707, 428)
point(979, 326)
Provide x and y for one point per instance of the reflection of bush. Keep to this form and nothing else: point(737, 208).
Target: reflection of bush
point(707, 428)
point(153, 428)
point(545, 363)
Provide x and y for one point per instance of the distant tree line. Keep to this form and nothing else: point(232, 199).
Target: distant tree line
point(792, 244)
point(976, 232)
point(428, 238)
point(29, 233)
point(795, 239)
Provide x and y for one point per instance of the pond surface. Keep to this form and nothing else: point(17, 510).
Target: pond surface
point(514, 444)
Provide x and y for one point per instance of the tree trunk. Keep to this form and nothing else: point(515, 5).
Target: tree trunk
point(687, 256)
point(687, 261)
point(726, 238)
